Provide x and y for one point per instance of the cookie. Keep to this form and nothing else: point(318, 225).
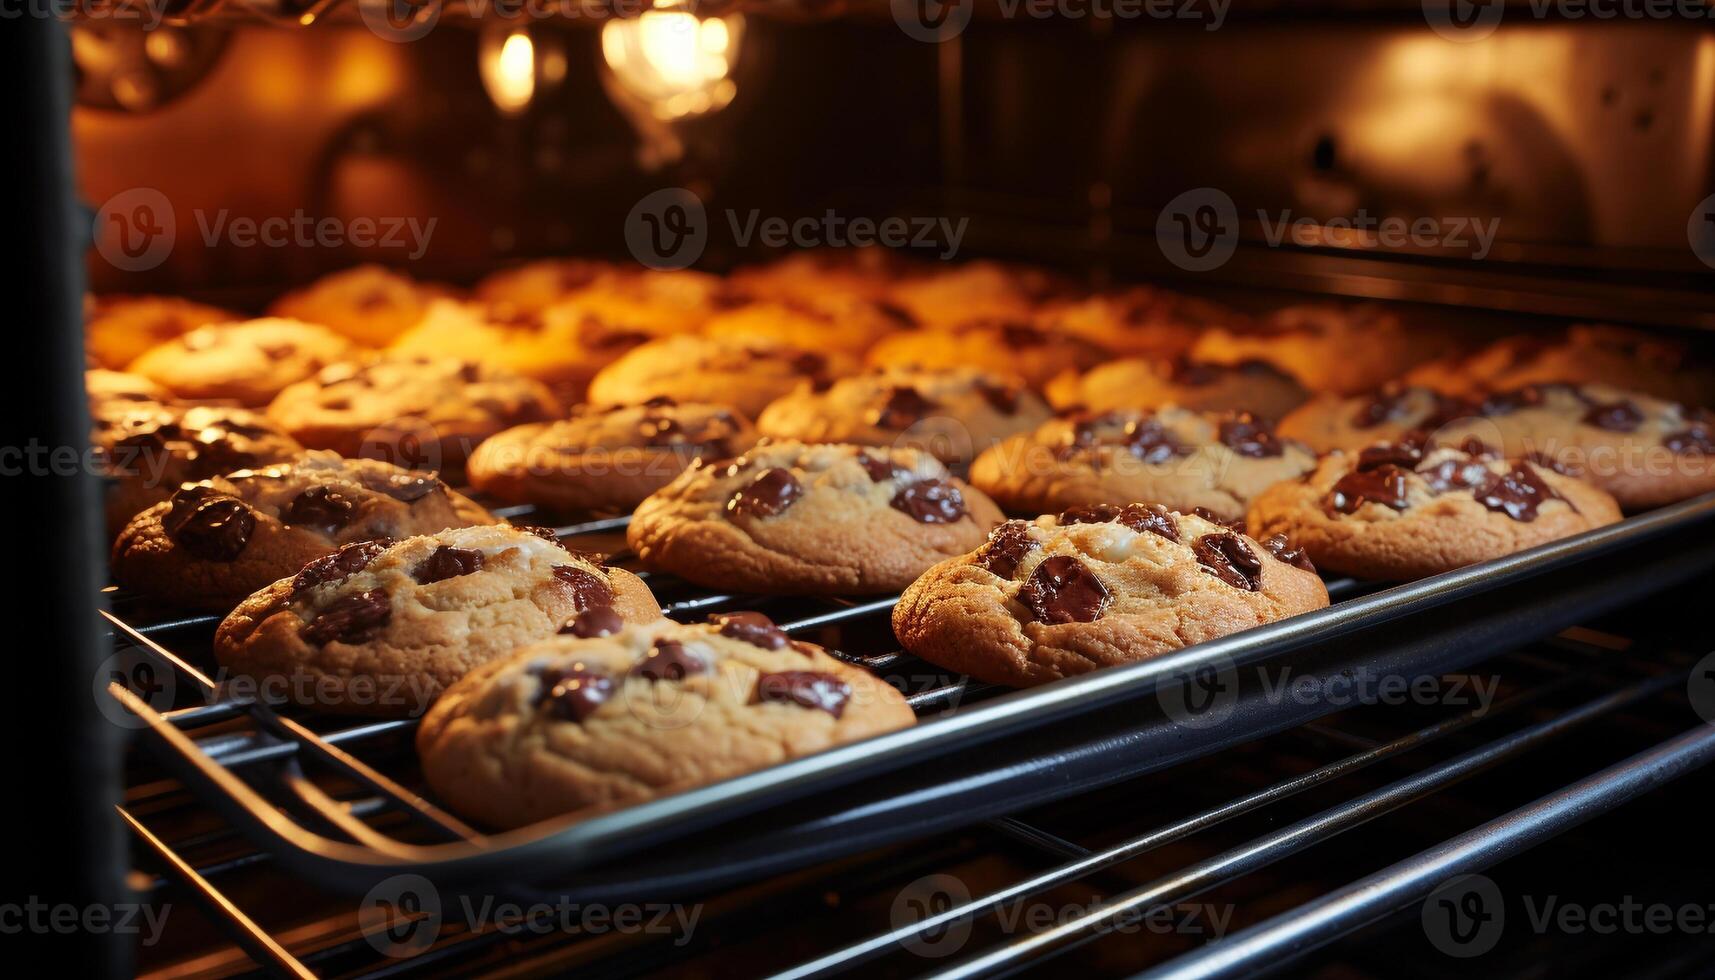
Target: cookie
point(382, 629)
point(535, 286)
point(1010, 348)
point(116, 392)
point(613, 716)
point(212, 543)
point(418, 412)
point(832, 323)
point(1666, 368)
point(657, 302)
point(118, 329)
point(746, 375)
point(247, 362)
point(561, 346)
point(145, 454)
point(1181, 459)
point(1248, 386)
point(954, 414)
point(1345, 350)
point(369, 304)
point(1139, 321)
point(1644, 451)
point(1329, 422)
point(1096, 587)
point(1401, 511)
point(810, 519)
point(605, 460)
point(860, 273)
point(976, 291)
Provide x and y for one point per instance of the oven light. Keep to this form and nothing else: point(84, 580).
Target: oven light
point(672, 63)
point(508, 68)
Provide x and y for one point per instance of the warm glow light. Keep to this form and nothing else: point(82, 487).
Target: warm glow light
point(509, 72)
point(672, 62)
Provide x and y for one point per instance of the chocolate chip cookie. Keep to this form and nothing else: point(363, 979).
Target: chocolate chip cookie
point(416, 412)
point(658, 302)
point(1095, 587)
point(114, 393)
point(1645, 451)
point(1656, 365)
point(1404, 510)
point(1014, 348)
point(247, 362)
point(790, 517)
point(1329, 422)
point(1248, 386)
point(612, 716)
point(118, 329)
point(147, 452)
point(954, 413)
point(832, 323)
point(1139, 321)
point(1177, 458)
point(212, 543)
point(605, 460)
point(1346, 350)
point(861, 273)
point(746, 375)
point(538, 285)
point(939, 297)
point(381, 629)
point(369, 304)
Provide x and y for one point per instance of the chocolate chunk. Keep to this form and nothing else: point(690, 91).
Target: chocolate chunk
point(1195, 374)
point(1455, 474)
point(215, 455)
point(589, 589)
point(1206, 514)
point(323, 508)
point(592, 622)
point(1282, 550)
point(1393, 403)
point(1517, 494)
point(879, 468)
point(406, 487)
point(1153, 518)
point(807, 362)
point(1022, 335)
point(1064, 590)
point(1530, 396)
point(767, 495)
point(573, 693)
point(1230, 559)
point(1385, 485)
point(1473, 446)
point(751, 627)
point(669, 660)
point(1248, 435)
point(209, 525)
point(340, 565)
point(659, 401)
point(1699, 437)
point(351, 619)
point(447, 562)
point(931, 502)
point(1002, 398)
point(904, 407)
point(1149, 440)
point(547, 534)
point(1006, 547)
point(1405, 454)
point(807, 688)
point(1089, 514)
point(658, 430)
point(1620, 416)
point(1548, 462)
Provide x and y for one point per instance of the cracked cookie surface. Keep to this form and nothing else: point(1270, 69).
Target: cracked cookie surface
point(382, 629)
point(1098, 586)
point(802, 518)
point(248, 361)
point(1142, 383)
point(580, 725)
point(744, 374)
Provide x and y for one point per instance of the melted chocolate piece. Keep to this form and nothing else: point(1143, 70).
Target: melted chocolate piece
point(1473, 446)
point(351, 619)
point(1517, 493)
point(1214, 518)
point(1620, 416)
point(208, 524)
point(1393, 404)
point(592, 622)
point(808, 362)
point(214, 455)
point(1089, 514)
point(323, 508)
point(1281, 548)
point(904, 407)
point(1153, 518)
point(573, 693)
point(1404, 454)
point(1064, 590)
point(669, 660)
point(337, 567)
point(878, 468)
point(767, 495)
point(447, 562)
point(1548, 462)
point(751, 627)
point(406, 487)
point(1385, 485)
point(1020, 335)
point(1230, 559)
point(809, 689)
point(1149, 440)
point(588, 588)
point(1699, 437)
point(1248, 435)
point(659, 401)
point(547, 534)
point(1002, 398)
point(1006, 547)
point(1530, 396)
point(931, 502)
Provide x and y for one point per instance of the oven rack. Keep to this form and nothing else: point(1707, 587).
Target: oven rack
point(983, 755)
